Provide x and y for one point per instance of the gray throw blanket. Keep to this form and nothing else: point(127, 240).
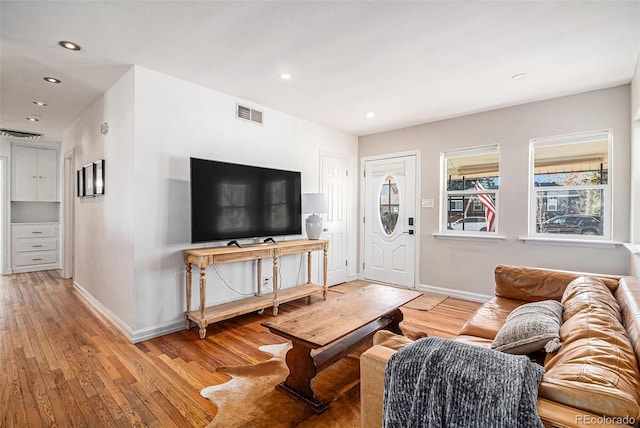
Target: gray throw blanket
point(435, 382)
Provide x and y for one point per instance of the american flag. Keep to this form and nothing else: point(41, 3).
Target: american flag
point(489, 207)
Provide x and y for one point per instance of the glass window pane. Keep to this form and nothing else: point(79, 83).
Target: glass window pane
point(474, 216)
point(463, 172)
point(577, 164)
point(389, 203)
point(575, 212)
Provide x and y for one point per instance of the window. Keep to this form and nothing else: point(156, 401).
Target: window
point(570, 186)
point(470, 182)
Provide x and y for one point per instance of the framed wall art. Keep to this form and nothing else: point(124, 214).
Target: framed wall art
point(89, 180)
point(80, 183)
point(98, 173)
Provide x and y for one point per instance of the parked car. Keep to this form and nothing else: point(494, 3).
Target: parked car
point(474, 224)
point(575, 224)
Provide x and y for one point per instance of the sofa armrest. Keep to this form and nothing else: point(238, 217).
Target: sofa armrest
point(558, 415)
point(372, 365)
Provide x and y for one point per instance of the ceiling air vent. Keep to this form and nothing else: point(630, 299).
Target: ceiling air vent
point(20, 134)
point(246, 113)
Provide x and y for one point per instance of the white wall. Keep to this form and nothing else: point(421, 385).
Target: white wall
point(104, 225)
point(468, 265)
point(129, 243)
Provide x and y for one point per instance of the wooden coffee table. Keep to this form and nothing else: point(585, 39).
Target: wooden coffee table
point(326, 331)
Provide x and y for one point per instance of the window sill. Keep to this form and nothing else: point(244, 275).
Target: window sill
point(469, 237)
point(633, 248)
point(571, 242)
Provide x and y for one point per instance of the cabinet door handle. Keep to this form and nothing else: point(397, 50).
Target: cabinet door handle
point(37, 259)
point(38, 231)
point(36, 246)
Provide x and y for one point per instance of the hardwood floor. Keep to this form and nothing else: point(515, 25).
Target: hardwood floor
point(62, 364)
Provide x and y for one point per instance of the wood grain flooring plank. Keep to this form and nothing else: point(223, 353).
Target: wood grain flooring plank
point(80, 375)
point(138, 405)
point(72, 407)
point(22, 329)
point(39, 392)
point(52, 381)
point(176, 418)
point(82, 403)
point(29, 396)
point(43, 341)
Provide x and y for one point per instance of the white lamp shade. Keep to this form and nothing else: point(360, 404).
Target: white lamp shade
point(314, 203)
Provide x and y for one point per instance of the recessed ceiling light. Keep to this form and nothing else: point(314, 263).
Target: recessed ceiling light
point(285, 76)
point(52, 80)
point(371, 115)
point(519, 76)
point(32, 119)
point(70, 45)
point(40, 103)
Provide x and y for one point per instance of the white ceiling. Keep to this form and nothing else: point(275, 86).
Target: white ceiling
point(409, 62)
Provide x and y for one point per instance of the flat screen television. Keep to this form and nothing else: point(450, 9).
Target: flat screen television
point(232, 201)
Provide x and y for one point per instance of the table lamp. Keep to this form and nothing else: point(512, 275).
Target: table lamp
point(314, 204)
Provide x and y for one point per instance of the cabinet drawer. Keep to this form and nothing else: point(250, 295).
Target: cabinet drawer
point(34, 230)
point(35, 258)
point(36, 244)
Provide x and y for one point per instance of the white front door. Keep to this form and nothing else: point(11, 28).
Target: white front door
point(334, 185)
point(390, 220)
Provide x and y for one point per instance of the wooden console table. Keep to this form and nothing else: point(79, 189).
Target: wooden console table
point(204, 257)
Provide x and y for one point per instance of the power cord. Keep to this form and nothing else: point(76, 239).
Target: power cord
point(224, 281)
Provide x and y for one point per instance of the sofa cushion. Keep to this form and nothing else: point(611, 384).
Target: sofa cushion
point(596, 369)
point(585, 292)
point(489, 318)
point(530, 328)
point(533, 284)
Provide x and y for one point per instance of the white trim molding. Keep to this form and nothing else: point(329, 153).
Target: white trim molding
point(570, 242)
point(458, 294)
point(134, 336)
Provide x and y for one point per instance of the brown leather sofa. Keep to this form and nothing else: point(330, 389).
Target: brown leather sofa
point(593, 379)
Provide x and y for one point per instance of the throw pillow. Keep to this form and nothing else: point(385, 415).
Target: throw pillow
point(531, 327)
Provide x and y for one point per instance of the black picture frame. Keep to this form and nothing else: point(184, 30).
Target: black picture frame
point(80, 183)
point(89, 180)
point(98, 174)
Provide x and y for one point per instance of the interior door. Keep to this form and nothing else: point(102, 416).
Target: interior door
point(335, 185)
point(390, 220)
point(47, 169)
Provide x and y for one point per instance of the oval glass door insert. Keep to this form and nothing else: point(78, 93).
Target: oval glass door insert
point(389, 205)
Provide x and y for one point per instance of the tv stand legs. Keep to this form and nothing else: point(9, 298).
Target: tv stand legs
point(203, 329)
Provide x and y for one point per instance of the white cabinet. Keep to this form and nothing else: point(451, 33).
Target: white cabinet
point(34, 174)
point(35, 246)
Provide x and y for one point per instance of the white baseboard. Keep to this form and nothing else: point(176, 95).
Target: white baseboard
point(134, 336)
point(104, 311)
point(157, 331)
point(459, 294)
